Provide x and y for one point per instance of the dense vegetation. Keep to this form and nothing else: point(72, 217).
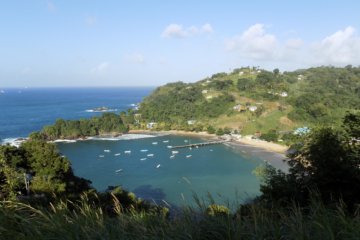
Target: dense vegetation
point(317, 199)
point(282, 101)
point(107, 123)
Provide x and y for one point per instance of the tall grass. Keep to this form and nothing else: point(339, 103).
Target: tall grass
point(84, 220)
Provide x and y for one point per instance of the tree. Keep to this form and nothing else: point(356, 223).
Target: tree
point(327, 161)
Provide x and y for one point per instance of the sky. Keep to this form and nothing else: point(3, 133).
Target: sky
point(71, 43)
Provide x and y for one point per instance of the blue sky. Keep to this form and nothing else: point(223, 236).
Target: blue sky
point(149, 43)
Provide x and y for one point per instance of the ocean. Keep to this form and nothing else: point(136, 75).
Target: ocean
point(142, 164)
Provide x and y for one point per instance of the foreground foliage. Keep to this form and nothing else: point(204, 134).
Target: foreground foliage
point(85, 220)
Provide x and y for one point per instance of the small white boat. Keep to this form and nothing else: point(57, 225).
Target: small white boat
point(127, 151)
point(158, 166)
point(186, 141)
point(143, 159)
point(197, 146)
point(172, 156)
point(188, 156)
point(107, 150)
point(211, 150)
point(101, 156)
point(169, 146)
point(117, 154)
point(165, 141)
point(119, 170)
point(154, 143)
point(174, 152)
point(144, 150)
point(150, 155)
point(190, 148)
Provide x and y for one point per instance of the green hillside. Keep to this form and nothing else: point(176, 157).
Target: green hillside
point(251, 100)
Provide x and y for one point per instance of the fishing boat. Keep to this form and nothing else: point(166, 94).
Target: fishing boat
point(144, 150)
point(101, 156)
point(119, 170)
point(174, 152)
point(158, 166)
point(143, 159)
point(172, 156)
point(188, 156)
point(150, 155)
point(169, 146)
point(117, 154)
point(165, 141)
point(107, 150)
point(127, 151)
point(155, 143)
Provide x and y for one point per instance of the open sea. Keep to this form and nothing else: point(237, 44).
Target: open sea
point(142, 164)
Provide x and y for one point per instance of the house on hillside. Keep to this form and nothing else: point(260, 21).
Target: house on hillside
point(205, 91)
point(239, 108)
point(252, 108)
point(137, 117)
point(301, 131)
point(191, 122)
point(151, 125)
point(209, 97)
point(283, 94)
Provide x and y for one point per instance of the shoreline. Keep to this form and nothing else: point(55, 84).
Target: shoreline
point(246, 140)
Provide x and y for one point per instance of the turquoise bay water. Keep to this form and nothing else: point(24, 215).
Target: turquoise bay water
point(218, 169)
point(224, 172)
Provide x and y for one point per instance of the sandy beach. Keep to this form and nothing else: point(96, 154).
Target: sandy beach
point(268, 146)
point(271, 152)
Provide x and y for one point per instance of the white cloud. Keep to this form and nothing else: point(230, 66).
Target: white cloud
point(254, 43)
point(294, 43)
point(342, 47)
point(207, 28)
point(178, 31)
point(100, 68)
point(175, 31)
point(136, 58)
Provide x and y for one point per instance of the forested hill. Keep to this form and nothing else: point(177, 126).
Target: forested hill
point(255, 100)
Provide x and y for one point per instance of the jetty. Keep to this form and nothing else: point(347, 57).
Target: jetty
point(203, 144)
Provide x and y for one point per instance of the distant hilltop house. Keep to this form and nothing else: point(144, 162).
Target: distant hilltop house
point(204, 91)
point(151, 125)
point(239, 108)
point(300, 77)
point(191, 122)
point(252, 108)
point(301, 131)
point(137, 117)
point(283, 94)
point(241, 73)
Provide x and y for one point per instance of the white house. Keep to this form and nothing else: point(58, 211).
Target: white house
point(209, 97)
point(204, 91)
point(239, 108)
point(191, 122)
point(150, 125)
point(252, 108)
point(241, 73)
point(283, 94)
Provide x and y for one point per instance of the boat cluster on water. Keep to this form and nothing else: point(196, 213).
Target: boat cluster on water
point(174, 153)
